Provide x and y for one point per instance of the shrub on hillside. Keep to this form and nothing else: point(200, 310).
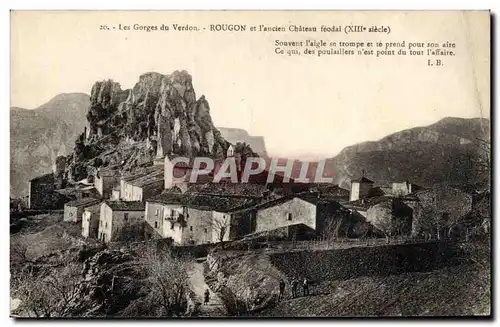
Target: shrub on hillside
point(165, 288)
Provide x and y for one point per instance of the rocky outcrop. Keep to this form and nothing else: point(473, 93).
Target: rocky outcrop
point(102, 276)
point(159, 107)
point(161, 111)
point(245, 283)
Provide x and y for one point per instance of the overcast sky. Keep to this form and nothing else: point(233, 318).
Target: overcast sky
point(303, 106)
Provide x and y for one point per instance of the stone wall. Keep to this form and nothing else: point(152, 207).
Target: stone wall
point(367, 261)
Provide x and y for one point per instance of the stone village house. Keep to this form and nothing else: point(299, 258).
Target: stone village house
point(140, 185)
point(73, 210)
point(193, 218)
point(105, 179)
point(120, 221)
point(90, 221)
point(300, 216)
point(360, 188)
point(143, 187)
point(38, 187)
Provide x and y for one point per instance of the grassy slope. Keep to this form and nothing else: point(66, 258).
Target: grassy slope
point(459, 290)
point(455, 290)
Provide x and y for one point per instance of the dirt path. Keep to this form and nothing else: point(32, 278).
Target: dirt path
point(214, 308)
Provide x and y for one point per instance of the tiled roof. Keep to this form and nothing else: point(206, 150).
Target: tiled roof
point(93, 207)
point(78, 189)
point(362, 180)
point(142, 172)
point(202, 201)
point(47, 177)
point(229, 189)
point(126, 205)
point(332, 190)
point(84, 202)
point(268, 204)
point(310, 198)
point(155, 177)
point(108, 171)
point(364, 204)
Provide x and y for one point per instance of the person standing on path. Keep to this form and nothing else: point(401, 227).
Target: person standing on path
point(295, 285)
point(207, 296)
point(305, 286)
point(282, 290)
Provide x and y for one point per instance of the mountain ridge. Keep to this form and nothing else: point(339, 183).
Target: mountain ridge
point(445, 151)
point(39, 135)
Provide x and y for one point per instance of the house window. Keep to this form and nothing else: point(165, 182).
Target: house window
point(172, 226)
point(206, 231)
point(106, 225)
point(156, 224)
point(289, 216)
point(157, 212)
point(172, 212)
point(125, 216)
point(191, 228)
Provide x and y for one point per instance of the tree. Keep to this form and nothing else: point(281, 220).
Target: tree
point(167, 282)
point(441, 209)
point(48, 294)
point(220, 226)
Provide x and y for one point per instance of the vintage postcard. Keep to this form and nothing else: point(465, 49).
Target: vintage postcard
point(180, 164)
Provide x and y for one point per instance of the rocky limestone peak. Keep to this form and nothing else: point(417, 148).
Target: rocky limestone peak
point(161, 110)
point(105, 93)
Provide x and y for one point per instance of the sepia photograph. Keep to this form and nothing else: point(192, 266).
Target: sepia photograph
point(227, 164)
